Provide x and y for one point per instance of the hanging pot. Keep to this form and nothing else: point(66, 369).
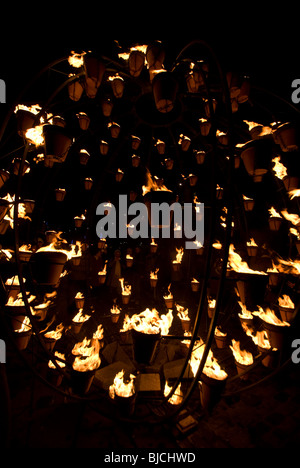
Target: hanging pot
point(286, 136)
point(126, 406)
point(276, 335)
point(144, 346)
point(94, 71)
point(4, 206)
point(4, 176)
point(75, 90)
point(47, 267)
point(22, 339)
point(210, 392)
point(159, 197)
point(256, 156)
point(57, 142)
point(17, 316)
point(165, 89)
point(275, 223)
point(136, 63)
point(291, 183)
point(287, 314)
point(82, 381)
point(241, 369)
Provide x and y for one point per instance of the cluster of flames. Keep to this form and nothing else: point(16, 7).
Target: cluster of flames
point(212, 368)
point(149, 322)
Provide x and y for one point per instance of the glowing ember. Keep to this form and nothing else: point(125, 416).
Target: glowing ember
point(241, 356)
point(154, 274)
point(252, 243)
point(121, 387)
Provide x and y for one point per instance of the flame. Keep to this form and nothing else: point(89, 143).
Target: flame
point(179, 256)
point(104, 271)
point(152, 185)
point(294, 194)
point(75, 250)
point(252, 243)
point(126, 324)
point(279, 169)
point(267, 315)
point(292, 218)
point(99, 333)
point(19, 302)
point(126, 289)
point(177, 397)
point(79, 295)
point(80, 317)
point(35, 136)
point(170, 295)
point(149, 322)
point(11, 212)
point(122, 388)
point(194, 280)
point(211, 368)
point(183, 313)
point(55, 334)
point(154, 274)
point(246, 314)
point(115, 310)
point(241, 356)
point(25, 326)
point(259, 339)
point(286, 302)
point(236, 263)
point(288, 266)
point(61, 364)
point(294, 232)
point(273, 213)
point(87, 356)
point(76, 60)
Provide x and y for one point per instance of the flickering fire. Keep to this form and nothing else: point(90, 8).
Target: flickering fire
point(60, 358)
point(55, 334)
point(152, 185)
point(21, 210)
point(25, 326)
point(79, 295)
point(279, 169)
point(241, 356)
point(294, 194)
point(35, 136)
point(76, 60)
point(56, 246)
point(288, 266)
point(177, 397)
point(80, 317)
point(115, 310)
point(87, 356)
point(252, 243)
point(292, 218)
point(246, 314)
point(259, 338)
point(273, 213)
point(122, 388)
point(294, 232)
point(99, 333)
point(183, 313)
point(170, 295)
point(126, 324)
point(150, 323)
point(104, 271)
point(237, 264)
point(126, 289)
point(211, 369)
point(19, 302)
point(179, 256)
point(286, 302)
point(154, 274)
point(267, 315)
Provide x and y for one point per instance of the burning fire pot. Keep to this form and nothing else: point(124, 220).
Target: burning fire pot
point(211, 391)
